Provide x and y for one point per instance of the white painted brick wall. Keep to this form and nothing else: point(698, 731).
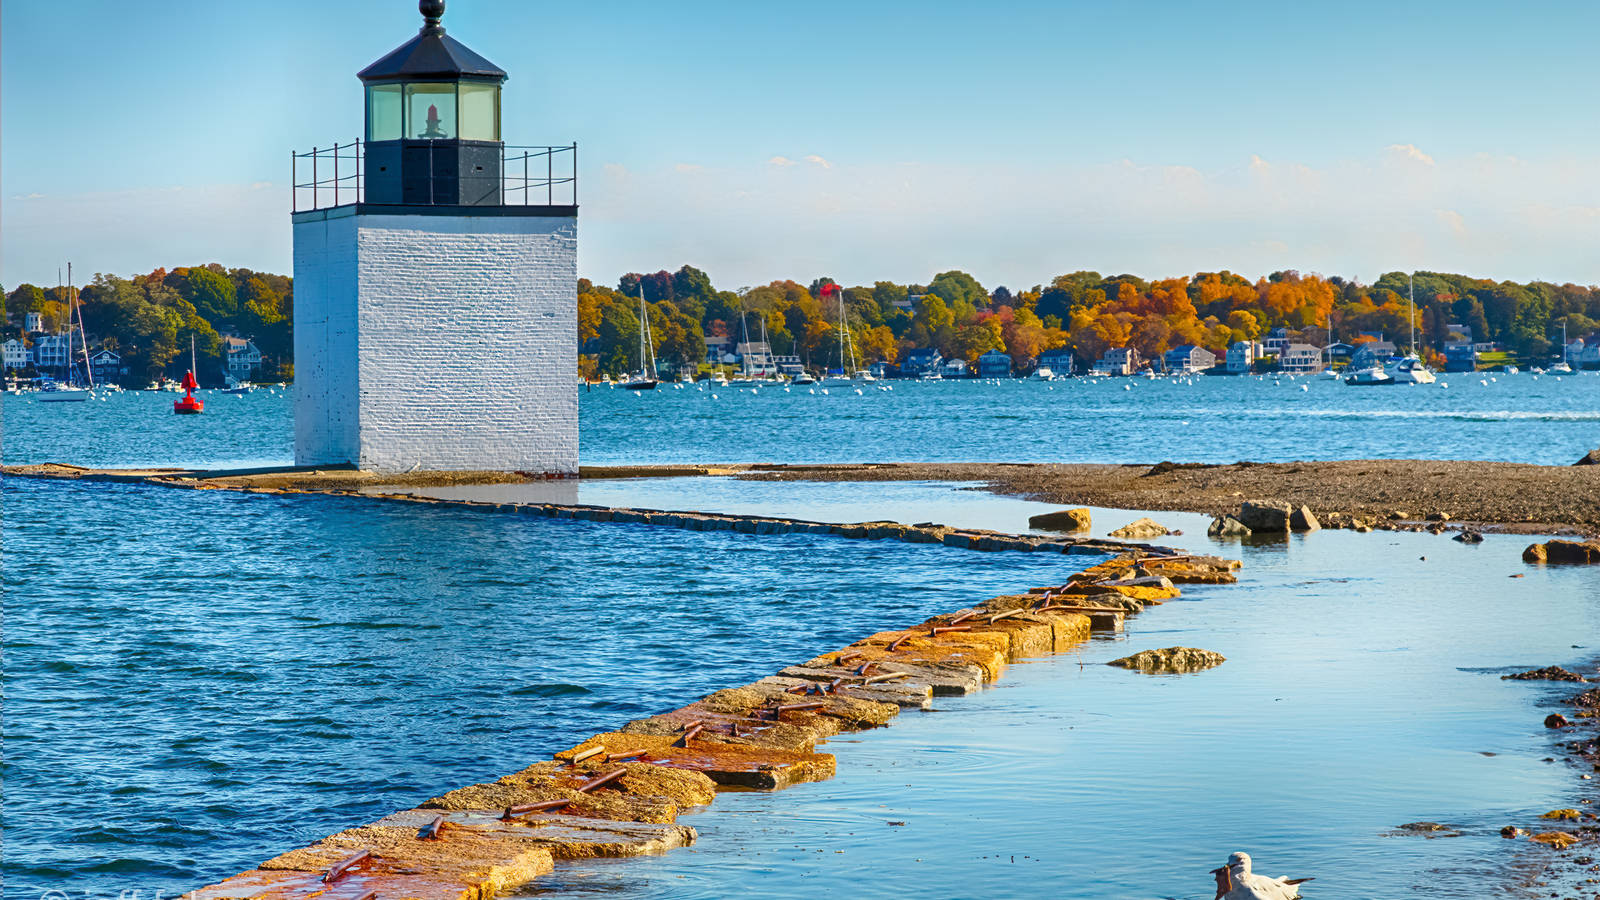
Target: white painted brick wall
point(463, 353)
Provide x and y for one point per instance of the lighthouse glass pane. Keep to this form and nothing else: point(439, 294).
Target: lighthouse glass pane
point(430, 111)
point(383, 112)
point(480, 112)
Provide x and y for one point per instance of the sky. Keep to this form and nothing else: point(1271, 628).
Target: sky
point(858, 140)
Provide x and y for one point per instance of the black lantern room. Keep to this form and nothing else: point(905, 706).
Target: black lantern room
point(433, 122)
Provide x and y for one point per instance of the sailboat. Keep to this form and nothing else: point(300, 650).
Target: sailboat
point(190, 404)
point(54, 392)
point(746, 377)
point(1565, 366)
point(1410, 369)
point(645, 379)
point(847, 351)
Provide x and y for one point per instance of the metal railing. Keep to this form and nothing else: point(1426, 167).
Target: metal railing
point(529, 176)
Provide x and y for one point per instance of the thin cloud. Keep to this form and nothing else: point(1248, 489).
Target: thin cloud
point(780, 161)
point(1410, 152)
point(819, 161)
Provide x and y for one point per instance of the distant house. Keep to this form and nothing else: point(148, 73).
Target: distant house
point(1242, 356)
point(881, 369)
point(954, 368)
point(755, 357)
point(1300, 359)
point(1588, 357)
point(910, 302)
point(107, 365)
point(1277, 341)
point(1340, 351)
point(1372, 353)
point(33, 322)
point(718, 346)
point(1118, 361)
point(1059, 361)
point(921, 362)
point(17, 354)
point(1189, 358)
point(242, 357)
point(1460, 356)
point(994, 364)
point(788, 366)
point(52, 351)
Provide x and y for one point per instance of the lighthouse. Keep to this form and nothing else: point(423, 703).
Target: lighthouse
point(435, 275)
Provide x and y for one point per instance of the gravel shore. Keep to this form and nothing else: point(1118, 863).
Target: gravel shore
point(1491, 496)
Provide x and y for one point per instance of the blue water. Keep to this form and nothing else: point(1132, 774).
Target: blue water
point(195, 681)
point(1515, 418)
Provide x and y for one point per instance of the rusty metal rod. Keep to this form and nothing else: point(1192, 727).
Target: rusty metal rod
point(895, 645)
point(693, 723)
point(631, 754)
point(1005, 615)
point(523, 809)
point(797, 689)
point(582, 755)
point(887, 676)
point(602, 781)
point(963, 617)
point(834, 685)
point(797, 707)
point(845, 657)
point(689, 735)
point(430, 831)
point(937, 630)
point(369, 895)
point(862, 669)
point(343, 866)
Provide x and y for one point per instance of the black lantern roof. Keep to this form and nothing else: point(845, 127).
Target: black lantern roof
point(432, 54)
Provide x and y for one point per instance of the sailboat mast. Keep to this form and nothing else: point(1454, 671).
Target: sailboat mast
point(83, 336)
point(1411, 291)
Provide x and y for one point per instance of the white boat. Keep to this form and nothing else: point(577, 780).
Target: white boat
point(645, 379)
point(237, 387)
point(804, 378)
point(862, 376)
point(1560, 368)
point(53, 392)
point(1043, 373)
point(1369, 377)
point(1564, 367)
point(1409, 370)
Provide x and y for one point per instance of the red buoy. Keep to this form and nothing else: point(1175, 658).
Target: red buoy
point(189, 405)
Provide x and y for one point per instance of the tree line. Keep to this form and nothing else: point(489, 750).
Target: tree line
point(1085, 311)
point(149, 320)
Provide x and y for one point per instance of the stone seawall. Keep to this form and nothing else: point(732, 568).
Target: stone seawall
point(618, 793)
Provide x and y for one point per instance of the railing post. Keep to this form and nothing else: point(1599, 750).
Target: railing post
point(574, 173)
point(294, 192)
point(314, 178)
point(549, 176)
point(335, 173)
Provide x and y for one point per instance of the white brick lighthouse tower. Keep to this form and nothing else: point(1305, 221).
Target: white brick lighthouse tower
point(435, 314)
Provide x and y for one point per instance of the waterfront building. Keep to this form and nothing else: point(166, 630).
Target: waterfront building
point(33, 322)
point(954, 368)
point(16, 354)
point(1059, 361)
point(1242, 356)
point(788, 366)
point(436, 293)
point(1460, 356)
point(242, 357)
point(1300, 359)
point(755, 357)
point(107, 365)
point(994, 364)
point(1372, 353)
point(52, 351)
point(1277, 341)
point(1188, 359)
point(1118, 361)
point(719, 348)
point(922, 361)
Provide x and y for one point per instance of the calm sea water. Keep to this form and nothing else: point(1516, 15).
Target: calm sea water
point(196, 680)
point(1515, 418)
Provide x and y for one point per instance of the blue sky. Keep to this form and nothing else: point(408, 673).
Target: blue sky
point(860, 140)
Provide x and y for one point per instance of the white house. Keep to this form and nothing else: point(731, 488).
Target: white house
point(33, 322)
point(1242, 356)
point(1118, 361)
point(756, 357)
point(1058, 361)
point(16, 354)
point(1188, 359)
point(954, 368)
point(243, 357)
point(1277, 341)
point(52, 351)
point(1300, 359)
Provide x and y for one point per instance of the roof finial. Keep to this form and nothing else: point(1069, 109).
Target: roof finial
point(432, 11)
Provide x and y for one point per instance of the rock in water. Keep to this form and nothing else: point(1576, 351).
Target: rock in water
point(1141, 528)
point(1070, 520)
point(1469, 537)
point(1548, 673)
point(1592, 458)
point(1302, 520)
point(1563, 552)
point(1265, 516)
point(1227, 526)
point(1171, 660)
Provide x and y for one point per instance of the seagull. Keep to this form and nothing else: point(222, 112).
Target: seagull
point(1236, 882)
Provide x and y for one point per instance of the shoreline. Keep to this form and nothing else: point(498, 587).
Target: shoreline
point(1512, 498)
